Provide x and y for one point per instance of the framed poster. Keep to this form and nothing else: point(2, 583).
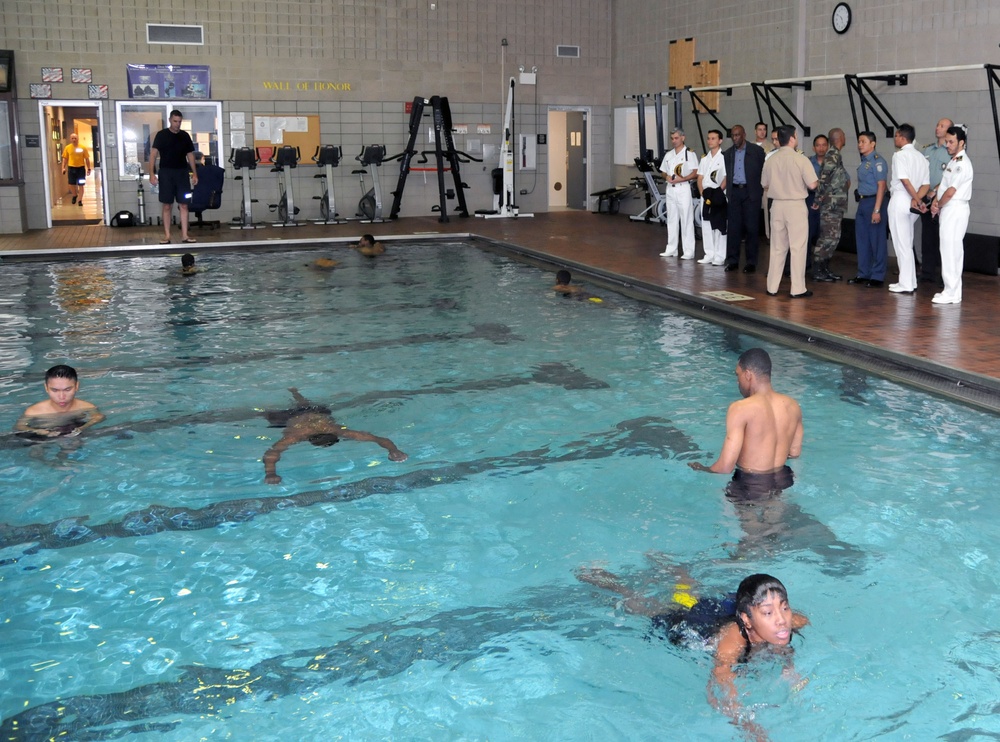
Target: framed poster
point(81, 75)
point(40, 90)
point(52, 74)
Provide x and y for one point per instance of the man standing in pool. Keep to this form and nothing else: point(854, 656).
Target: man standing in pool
point(312, 422)
point(62, 414)
point(763, 431)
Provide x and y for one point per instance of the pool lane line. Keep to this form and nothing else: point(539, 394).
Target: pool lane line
point(494, 333)
point(556, 373)
point(375, 652)
point(644, 436)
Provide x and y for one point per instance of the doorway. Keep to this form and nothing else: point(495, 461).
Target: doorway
point(569, 153)
point(58, 121)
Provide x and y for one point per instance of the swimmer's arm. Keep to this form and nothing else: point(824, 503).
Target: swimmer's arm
point(23, 425)
point(722, 694)
point(795, 450)
point(359, 435)
point(94, 416)
point(272, 456)
point(731, 447)
point(298, 397)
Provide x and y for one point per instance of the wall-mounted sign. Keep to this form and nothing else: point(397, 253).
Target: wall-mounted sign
point(158, 81)
point(32, 140)
point(52, 74)
point(81, 75)
point(40, 90)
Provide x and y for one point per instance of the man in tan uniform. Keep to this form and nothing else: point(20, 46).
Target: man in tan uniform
point(788, 177)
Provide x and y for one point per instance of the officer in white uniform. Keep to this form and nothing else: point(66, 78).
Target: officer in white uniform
point(712, 174)
point(951, 206)
point(679, 167)
point(910, 183)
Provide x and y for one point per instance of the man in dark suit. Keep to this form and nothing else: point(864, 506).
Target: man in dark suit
point(744, 165)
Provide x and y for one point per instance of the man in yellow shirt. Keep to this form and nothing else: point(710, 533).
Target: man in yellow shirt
point(76, 164)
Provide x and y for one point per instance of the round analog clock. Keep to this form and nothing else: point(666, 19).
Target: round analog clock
point(841, 17)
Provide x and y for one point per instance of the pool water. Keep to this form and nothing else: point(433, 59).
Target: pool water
point(154, 585)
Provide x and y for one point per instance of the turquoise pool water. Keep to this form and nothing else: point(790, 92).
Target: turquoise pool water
point(154, 585)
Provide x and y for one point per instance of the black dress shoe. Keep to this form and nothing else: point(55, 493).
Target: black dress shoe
point(875, 284)
point(749, 268)
point(730, 267)
point(771, 293)
point(858, 280)
point(803, 295)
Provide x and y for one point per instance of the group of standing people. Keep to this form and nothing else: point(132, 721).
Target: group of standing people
point(804, 200)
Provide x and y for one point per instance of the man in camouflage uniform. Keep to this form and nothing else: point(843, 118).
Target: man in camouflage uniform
point(831, 202)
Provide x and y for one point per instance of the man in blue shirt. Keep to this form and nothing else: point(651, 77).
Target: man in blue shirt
point(869, 229)
point(745, 162)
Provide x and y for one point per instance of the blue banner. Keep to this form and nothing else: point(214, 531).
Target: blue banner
point(160, 81)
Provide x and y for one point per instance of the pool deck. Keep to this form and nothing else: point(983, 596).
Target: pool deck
point(953, 343)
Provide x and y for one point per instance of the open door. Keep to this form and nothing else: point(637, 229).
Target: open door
point(84, 204)
point(568, 152)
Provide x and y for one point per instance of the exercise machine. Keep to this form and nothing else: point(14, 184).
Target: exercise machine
point(244, 161)
point(446, 158)
point(504, 205)
point(285, 159)
point(327, 157)
point(370, 205)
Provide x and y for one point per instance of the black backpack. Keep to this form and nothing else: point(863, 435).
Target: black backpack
point(123, 219)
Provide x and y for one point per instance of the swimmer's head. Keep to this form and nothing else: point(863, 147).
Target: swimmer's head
point(60, 372)
point(323, 440)
point(757, 362)
point(61, 385)
point(366, 240)
point(762, 610)
point(187, 260)
point(563, 278)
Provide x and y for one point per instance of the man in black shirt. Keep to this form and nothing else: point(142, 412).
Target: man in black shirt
point(177, 174)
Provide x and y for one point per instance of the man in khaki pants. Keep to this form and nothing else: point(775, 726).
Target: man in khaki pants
point(789, 176)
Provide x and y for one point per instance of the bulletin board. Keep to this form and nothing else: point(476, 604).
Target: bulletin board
point(296, 131)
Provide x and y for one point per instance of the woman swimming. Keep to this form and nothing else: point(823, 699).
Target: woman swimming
point(758, 617)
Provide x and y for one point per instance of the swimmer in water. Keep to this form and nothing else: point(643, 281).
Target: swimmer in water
point(756, 620)
point(369, 247)
point(565, 287)
point(62, 414)
point(187, 265)
point(763, 431)
point(311, 422)
point(324, 264)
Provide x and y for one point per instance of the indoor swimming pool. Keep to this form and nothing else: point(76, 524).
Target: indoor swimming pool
point(155, 587)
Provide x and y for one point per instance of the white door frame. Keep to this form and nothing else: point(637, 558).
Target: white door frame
point(588, 154)
point(77, 103)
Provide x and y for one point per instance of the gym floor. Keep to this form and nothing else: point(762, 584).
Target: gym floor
point(956, 342)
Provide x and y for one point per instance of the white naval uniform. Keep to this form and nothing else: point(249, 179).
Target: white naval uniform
point(907, 164)
point(712, 170)
point(954, 220)
point(680, 206)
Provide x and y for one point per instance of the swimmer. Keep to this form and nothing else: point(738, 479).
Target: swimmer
point(324, 264)
point(565, 287)
point(757, 619)
point(369, 247)
point(313, 423)
point(763, 430)
point(62, 414)
point(187, 265)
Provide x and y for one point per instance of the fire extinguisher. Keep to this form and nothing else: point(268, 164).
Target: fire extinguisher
point(142, 203)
